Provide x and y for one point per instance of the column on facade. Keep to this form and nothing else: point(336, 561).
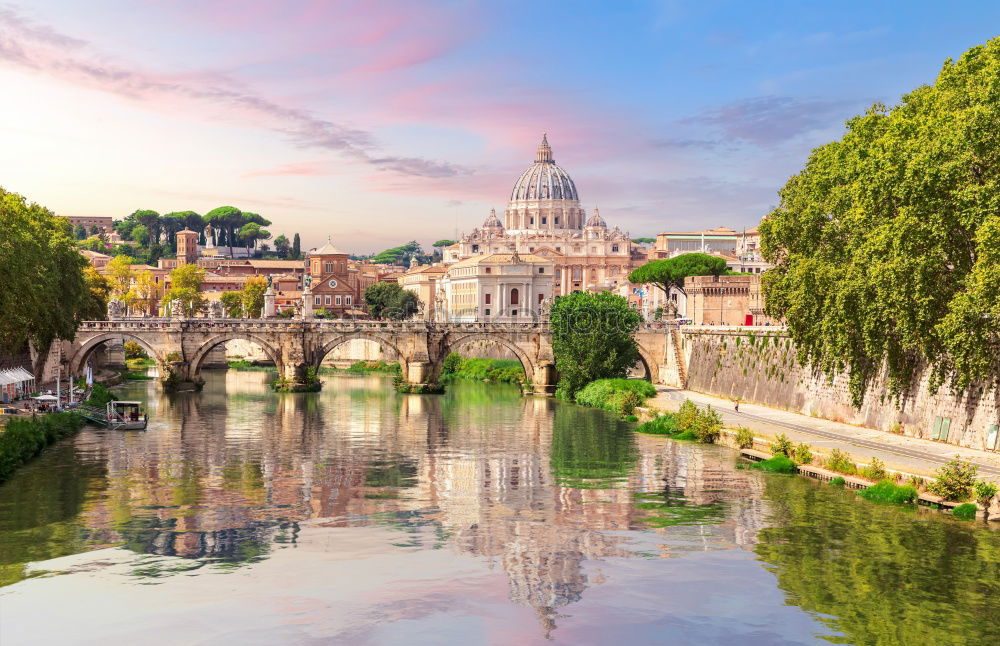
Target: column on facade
point(529, 299)
point(501, 298)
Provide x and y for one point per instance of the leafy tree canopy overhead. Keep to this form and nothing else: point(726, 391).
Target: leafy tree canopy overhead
point(644, 240)
point(592, 339)
point(443, 243)
point(671, 272)
point(885, 244)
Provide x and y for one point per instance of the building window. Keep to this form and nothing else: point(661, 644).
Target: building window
point(328, 301)
point(544, 220)
point(556, 220)
point(347, 300)
point(489, 270)
point(541, 297)
point(514, 296)
point(541, 270)
point(338, 300)
point(319, 300)
point(328, 267)
point(487, 311)
point(487, 299)
point(614, 248)
point(513, 312)
point(475, 248)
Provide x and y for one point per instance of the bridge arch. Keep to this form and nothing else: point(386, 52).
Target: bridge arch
point(80, 355)
point(649, 363)
point(374, 337)
point(207, 346)
point(453, 344)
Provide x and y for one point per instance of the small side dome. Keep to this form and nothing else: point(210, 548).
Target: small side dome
point(597, 221)
point(492, 222)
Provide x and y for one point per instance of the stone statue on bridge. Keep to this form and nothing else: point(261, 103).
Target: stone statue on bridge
point(116, 309)
point(216, 310)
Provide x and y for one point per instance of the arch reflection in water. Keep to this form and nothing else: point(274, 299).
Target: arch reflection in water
point(564, 502)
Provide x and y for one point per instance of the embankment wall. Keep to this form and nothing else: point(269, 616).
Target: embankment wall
point(758, 365)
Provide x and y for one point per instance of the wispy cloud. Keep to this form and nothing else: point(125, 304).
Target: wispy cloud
point(40, 48)
point(772, 120)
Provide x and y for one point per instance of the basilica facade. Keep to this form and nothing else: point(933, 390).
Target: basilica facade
point(544, 218)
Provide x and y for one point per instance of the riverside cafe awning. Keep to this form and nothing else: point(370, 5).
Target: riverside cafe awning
point(14, 382)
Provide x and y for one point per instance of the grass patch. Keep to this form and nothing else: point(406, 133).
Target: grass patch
point(965, 511)
point(661, 425)
point(374, 366)
point(777, 464)
point(137, 376)
point(838, 482)
point(888, 491)
point(616, 395)
point(507, 371)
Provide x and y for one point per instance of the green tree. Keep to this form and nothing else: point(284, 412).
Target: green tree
point(232, 302)
point(398, 255)
point(45, 292)
point(140, 234)
point(185, 285)
point(296, 247)
point(174, 222)
point(671, 272)
point(644, 240)
point(251, 233)
point(592, 339)
point(282, 246)
point(150, 220)
point(79, 232)
point(885, 244)
point(95, 301)
point(391, 301)
point(119, 270)
point(226, 219)
point(252, 296)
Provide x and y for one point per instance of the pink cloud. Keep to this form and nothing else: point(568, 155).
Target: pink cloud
point(311, 168)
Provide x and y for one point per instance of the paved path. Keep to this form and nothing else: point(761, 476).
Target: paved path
point(899, 452)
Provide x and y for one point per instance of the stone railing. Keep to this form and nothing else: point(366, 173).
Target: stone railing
point(318, 325)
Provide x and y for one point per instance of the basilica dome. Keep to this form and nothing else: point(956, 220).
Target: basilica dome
point(544, 197)
point(544, 180)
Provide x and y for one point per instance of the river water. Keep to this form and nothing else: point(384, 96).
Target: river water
point(361, 516)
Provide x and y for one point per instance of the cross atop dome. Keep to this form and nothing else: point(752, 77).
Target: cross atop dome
point(544, 154)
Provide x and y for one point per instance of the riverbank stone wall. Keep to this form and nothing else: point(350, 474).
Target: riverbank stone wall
point(759, 366)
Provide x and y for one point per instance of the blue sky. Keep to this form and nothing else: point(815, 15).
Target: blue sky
point(376, 123)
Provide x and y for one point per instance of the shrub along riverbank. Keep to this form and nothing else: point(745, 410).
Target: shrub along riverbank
point(954, 482)
point(23, 439)
point(491, 370)
point(620, 396)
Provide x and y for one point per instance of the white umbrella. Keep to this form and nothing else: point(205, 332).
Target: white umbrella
point(46, 398)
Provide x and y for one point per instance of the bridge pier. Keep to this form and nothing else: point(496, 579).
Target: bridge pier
point(176, 376)
point(544, 380)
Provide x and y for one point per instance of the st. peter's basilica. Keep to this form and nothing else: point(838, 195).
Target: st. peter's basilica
point(544, 218)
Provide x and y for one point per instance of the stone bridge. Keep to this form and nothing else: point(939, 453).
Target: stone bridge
point(180, 346)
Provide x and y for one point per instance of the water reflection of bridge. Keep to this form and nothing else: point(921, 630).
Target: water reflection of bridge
point(535, 488)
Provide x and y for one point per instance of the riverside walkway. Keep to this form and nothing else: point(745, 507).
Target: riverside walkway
point(899, 452)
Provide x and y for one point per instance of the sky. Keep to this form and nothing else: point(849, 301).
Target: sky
point(375, 123)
